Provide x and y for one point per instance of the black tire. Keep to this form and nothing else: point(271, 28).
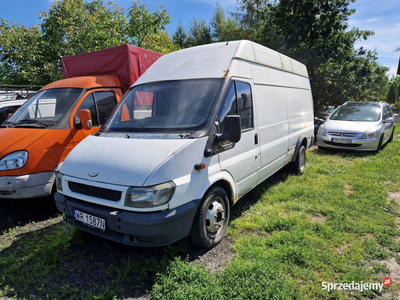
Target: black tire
point(213, 213)
point(298, 166)
point(391, 136)
point(379, 149)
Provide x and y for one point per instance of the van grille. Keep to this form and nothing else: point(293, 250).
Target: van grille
point(94, 191)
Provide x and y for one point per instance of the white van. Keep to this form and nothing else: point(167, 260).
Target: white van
point(198, 130)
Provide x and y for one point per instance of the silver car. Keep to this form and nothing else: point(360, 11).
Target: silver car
point(364, 126)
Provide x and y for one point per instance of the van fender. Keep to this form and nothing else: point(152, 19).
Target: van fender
point(58, 168)
point(220, 176)
point(300, 140)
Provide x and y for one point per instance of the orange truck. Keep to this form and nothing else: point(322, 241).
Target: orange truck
point(36, 139)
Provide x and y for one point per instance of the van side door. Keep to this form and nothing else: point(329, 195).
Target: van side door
point(241, 161)
point(100, 104)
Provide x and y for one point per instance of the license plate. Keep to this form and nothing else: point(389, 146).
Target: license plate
point(342, 141)
point(89, 219)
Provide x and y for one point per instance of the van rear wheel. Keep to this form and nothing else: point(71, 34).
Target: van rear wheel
point(212, 218)
point(299, 165)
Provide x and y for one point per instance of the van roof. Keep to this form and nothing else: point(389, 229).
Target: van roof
point(85, 82)
point(215, 61)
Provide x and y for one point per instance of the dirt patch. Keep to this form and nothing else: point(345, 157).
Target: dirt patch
point(394, 196)
point(348, 189)
point(342, 249)
point(318, 219)
point(216, 258)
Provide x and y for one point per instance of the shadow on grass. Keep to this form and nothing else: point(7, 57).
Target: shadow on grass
point(48, 263)
point(19, 212)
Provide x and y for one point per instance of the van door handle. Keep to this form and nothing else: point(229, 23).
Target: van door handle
point(256, 139)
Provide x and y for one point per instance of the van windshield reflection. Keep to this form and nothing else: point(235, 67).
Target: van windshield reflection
point(166, 106)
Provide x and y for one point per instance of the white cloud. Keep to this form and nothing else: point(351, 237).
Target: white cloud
point(372, 20)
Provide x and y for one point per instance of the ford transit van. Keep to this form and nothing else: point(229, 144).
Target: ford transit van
point(201, 128)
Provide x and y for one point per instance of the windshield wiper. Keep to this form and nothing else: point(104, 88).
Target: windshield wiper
point(31, 123)
point(6, 123)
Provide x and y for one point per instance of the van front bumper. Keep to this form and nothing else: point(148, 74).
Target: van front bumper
point(146, 229)
point(26, 186)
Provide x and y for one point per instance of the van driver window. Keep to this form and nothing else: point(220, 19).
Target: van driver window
point(238, 103)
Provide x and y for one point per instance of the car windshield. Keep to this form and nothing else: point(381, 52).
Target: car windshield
point(45, 108)
point(181, 105)
point(357, 112)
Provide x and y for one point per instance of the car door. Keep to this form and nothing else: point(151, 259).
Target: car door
point(241, 161)
point(100, 104)
point(388, 121)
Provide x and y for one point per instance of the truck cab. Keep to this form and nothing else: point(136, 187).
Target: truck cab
point(38, 137)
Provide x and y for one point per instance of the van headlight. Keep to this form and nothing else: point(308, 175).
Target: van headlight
point(369, 134)
point(321, 130)
point(15, 160)
point(144, 197)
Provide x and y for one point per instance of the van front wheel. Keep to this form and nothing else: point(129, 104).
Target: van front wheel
point(212, 218)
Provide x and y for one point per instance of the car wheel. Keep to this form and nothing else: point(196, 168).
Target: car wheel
point(212, 218)
point(299, 165)
point(391, 136)
point(379, 149)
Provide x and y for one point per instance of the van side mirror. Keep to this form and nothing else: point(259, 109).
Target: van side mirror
point(86, 119)
point(233, 129)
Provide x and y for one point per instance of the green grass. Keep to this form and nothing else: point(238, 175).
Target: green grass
point(290, 234)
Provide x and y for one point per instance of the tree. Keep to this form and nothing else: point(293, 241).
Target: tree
point(143, 23)
point(316, 33)
point(179, 37)
point(199, 33)
point(391, 96)
point(32, 55)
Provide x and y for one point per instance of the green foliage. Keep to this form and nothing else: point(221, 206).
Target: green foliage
point(143, 23)
point(32, 55)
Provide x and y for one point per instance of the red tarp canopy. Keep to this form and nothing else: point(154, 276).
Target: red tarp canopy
point(126, 62)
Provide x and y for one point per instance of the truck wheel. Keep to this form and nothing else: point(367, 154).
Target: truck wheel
point(299, 165)
point(212, 218)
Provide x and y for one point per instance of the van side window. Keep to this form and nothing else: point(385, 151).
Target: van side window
point(238, 101)
point(230, 106)
point(89, 104)
point(105, 101)
point(245, 104)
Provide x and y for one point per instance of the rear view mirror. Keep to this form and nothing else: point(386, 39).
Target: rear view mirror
point(86, 119)
point(233, 129)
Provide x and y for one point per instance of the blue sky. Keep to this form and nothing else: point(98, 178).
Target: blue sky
point(382, 16)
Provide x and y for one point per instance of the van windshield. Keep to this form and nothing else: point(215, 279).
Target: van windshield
point(181, 105)
point(45, 108)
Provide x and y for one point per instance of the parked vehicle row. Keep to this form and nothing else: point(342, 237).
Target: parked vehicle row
point(169, 158)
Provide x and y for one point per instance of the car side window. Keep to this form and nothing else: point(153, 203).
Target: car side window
point(105, 101)
point(89, 104)
point(238, 101)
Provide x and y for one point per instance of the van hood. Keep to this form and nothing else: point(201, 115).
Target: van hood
point(349, 126)
point(120, 161)
point(14, 139)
